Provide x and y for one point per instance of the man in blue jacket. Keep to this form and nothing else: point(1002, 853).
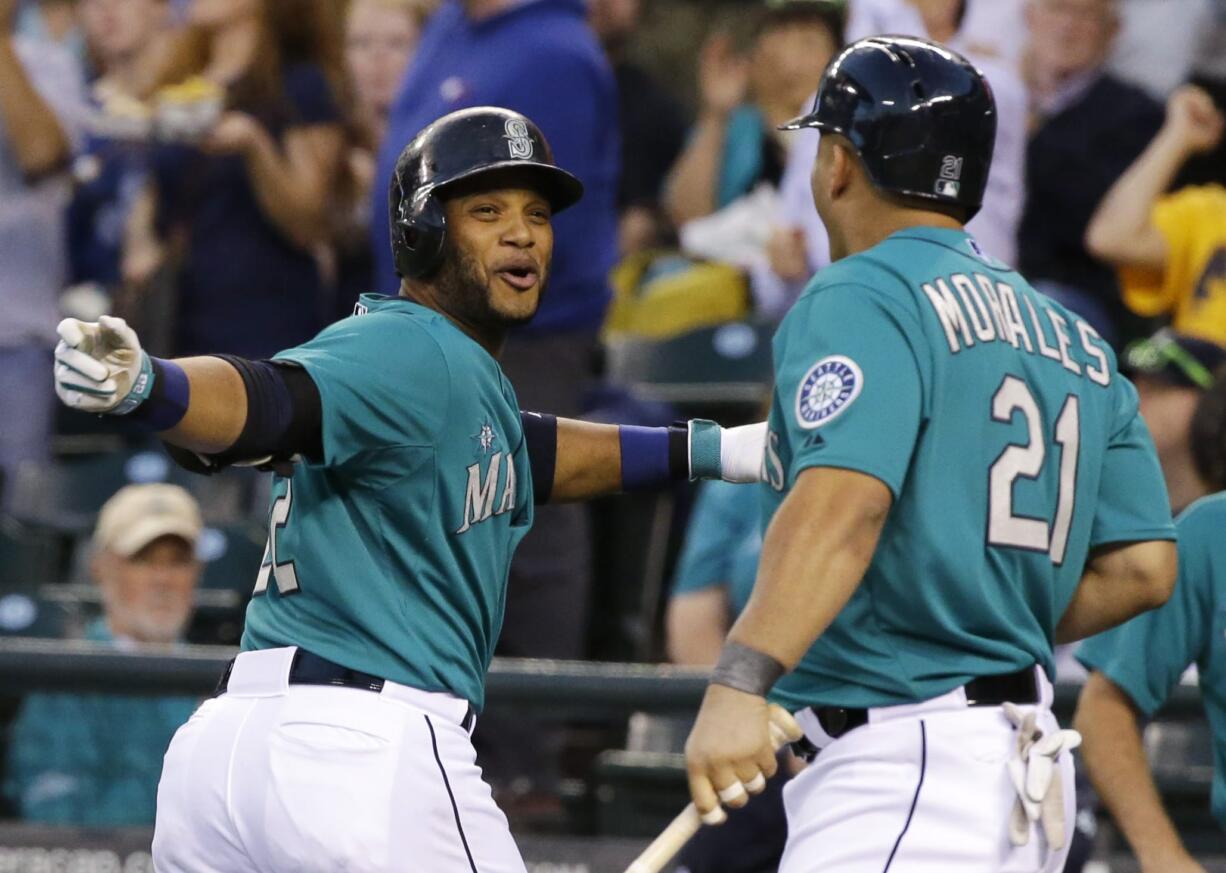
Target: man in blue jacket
point(537, 57)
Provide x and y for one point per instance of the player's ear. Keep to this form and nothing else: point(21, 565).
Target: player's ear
point(842, 169)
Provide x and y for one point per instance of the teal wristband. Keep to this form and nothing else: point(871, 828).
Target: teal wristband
point(142, 387)
point(704, 449)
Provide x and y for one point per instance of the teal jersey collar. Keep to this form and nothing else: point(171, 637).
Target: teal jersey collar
point(957, 239)
point(371, 302)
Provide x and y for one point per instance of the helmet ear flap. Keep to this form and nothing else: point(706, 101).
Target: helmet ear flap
point(419, 230)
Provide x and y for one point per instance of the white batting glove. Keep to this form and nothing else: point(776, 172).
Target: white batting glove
point(100, 366)
point(1040, 792)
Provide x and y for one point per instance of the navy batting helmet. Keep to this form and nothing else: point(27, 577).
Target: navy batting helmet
point(458, 146)
point(921, 117)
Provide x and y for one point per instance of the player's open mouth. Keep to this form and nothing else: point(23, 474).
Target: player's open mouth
point(521, 278)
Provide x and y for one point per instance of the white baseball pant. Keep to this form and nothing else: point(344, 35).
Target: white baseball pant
point(272, 777)
point(921, 788)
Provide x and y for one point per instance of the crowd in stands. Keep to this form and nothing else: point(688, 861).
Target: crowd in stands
point(215, 172)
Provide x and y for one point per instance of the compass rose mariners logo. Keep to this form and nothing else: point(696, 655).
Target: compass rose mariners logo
point(485, 438)
point(830, 386)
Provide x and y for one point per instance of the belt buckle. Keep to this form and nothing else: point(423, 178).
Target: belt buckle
point(1026, 683)
point(834, 720)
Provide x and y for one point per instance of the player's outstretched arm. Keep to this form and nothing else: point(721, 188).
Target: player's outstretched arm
point(1115, 760)
point(579, 460)
point(197, 403)
point(1120, 581)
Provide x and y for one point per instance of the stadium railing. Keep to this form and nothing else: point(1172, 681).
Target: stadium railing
point(574, 686)
point(638, 797)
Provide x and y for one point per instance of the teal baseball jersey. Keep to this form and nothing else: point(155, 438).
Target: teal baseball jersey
point(1146, 656)
point(722, 543)
point(1008, 439)
point(389, 554)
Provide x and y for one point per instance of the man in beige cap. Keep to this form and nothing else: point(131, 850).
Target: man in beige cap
point(94, 759)
point(144, 561)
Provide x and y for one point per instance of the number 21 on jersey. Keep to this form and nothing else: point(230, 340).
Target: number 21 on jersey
point(272, 564)
point(1005, 526)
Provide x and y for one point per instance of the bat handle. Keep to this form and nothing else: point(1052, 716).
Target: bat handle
point(783, 730)
point(670, 841)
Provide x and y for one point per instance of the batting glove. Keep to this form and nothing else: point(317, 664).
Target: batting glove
point(1040, 792)
point(100, 366)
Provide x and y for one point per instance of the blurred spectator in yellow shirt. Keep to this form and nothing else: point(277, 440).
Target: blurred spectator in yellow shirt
point(1170, 249)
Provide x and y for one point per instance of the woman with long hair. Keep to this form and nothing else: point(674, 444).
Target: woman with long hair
point(241, 213)
point(380, 38)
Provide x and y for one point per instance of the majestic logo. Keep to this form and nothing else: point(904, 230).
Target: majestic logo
point(360, 309)
point(950, 182)
point(830, 386)
point(519, 141)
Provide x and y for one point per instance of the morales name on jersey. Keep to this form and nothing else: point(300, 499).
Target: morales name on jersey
point(981, 308)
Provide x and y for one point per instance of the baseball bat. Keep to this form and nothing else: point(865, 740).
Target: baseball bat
point(663, 848)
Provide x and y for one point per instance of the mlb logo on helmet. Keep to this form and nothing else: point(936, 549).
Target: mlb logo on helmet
point(518, 139)
point(948, 185)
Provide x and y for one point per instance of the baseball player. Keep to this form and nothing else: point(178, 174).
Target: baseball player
point(956, 479)
point(1134, 667)
point(339, 739)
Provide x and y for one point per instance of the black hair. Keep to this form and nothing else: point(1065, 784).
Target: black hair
point(831, 14)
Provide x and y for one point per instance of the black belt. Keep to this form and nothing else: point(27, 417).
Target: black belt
point(837, 721)
point(309, 669)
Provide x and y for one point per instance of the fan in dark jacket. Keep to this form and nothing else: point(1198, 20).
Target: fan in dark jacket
point(1086, 128)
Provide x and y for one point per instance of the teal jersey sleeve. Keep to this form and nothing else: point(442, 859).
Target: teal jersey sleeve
point(849, 384)
point(1132, 499)
point(1146, 656)
point(363, 409)
point(724, 516)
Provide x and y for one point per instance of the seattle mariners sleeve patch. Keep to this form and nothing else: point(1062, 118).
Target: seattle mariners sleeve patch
point(830, 386)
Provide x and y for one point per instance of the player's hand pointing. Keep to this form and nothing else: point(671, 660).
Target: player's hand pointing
point(729, 754)
point(99, 366)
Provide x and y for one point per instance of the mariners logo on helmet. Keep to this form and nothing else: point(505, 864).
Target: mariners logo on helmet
point(830, 386)
point(518, 138)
